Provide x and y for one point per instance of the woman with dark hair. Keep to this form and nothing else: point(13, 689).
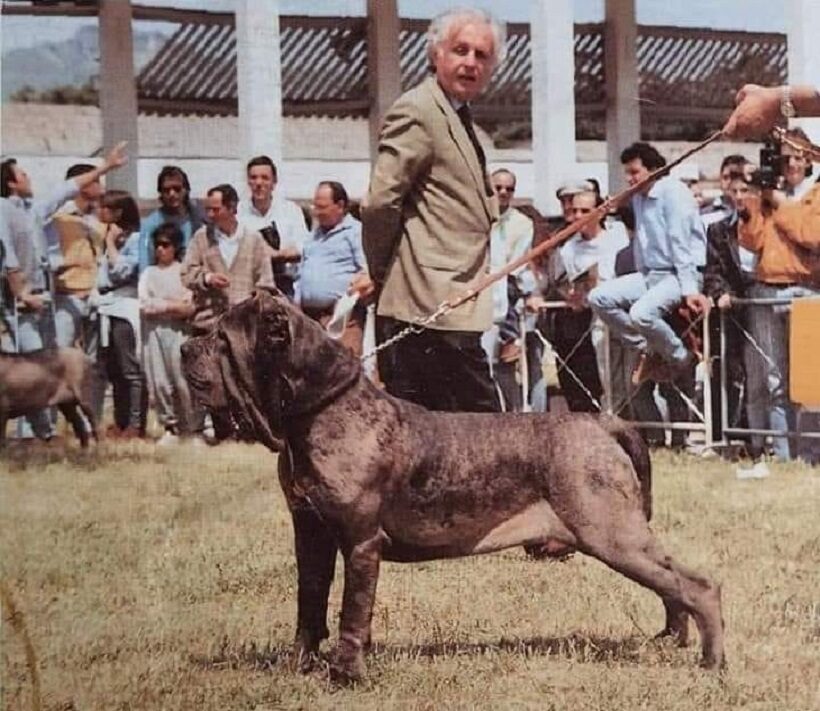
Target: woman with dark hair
point(119, 311)
point(166, 305)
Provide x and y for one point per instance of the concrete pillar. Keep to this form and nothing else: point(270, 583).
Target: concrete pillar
point(623, 115)
point(383, 71)
point(803, 28)
point(553, 99)
point(259, 82)
point(118, 92)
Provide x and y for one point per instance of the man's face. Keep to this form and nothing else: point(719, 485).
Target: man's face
point(726, 176)
point(504, 186)
point(22, 183)
point(794, 170)
point(582, 205)
point(465, 61)
point(172, 193)
point(635, 171)
point(261, 183)
point(738, 191)
point(566, 206)
point(327, 213)
point(219, 214)
point(92, 192)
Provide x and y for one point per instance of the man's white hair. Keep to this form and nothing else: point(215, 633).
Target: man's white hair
point(443, 25)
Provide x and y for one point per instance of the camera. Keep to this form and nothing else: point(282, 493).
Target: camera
point(770, 175)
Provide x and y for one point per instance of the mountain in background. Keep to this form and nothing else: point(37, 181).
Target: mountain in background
point(71, 62)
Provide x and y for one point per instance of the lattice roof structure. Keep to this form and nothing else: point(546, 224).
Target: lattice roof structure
point(687, 76)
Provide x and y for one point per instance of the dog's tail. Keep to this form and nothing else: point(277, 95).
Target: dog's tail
point(634, 445)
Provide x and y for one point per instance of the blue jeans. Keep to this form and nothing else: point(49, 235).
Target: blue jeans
point(35, 330)
point(77, 324)
point(634, 307)
point(767, 378)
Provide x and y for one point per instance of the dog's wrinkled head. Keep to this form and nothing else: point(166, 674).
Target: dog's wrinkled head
point(265, 360)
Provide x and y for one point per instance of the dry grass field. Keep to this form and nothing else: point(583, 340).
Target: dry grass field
point(151, 579)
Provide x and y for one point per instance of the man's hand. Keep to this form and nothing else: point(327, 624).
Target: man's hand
point(286, 255)
point(534, 302)
point(748, 205)
point(117, 157)
point(362, 285)
point(112, 234)
point(33, 302)
point(757, 111)
point(699, 303)
point(217, 280)
point(724, 302)
point(775, 197)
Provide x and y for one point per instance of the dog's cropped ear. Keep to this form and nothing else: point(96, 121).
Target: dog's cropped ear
point(267, 289)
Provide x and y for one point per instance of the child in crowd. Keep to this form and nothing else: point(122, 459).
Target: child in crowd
point(166, 305)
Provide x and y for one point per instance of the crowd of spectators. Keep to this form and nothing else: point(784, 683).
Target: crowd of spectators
point(618, 304)
point(83, 268)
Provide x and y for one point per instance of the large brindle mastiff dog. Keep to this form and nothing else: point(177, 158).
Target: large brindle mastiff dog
point(382, 479)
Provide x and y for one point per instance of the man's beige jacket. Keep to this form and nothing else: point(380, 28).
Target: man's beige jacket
point(426, 218)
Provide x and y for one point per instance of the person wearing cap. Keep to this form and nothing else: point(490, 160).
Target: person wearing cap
point(568, 191)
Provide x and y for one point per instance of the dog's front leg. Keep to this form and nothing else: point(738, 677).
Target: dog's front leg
point(362, 561)
point(315, 560)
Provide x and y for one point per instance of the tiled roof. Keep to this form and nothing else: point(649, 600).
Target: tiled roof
point(685, 74)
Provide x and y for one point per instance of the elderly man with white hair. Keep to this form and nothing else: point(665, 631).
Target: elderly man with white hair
point(427, 218)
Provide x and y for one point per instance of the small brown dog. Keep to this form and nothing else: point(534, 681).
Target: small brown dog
point(51, 377)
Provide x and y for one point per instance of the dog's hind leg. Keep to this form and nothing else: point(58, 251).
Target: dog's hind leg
point(72, 414)
point(362, 560)
point(90, 417)
point(315, 560)
point(677, 623)
point(629, 547)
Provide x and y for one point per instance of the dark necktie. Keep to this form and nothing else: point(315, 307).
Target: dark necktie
point(467, 120)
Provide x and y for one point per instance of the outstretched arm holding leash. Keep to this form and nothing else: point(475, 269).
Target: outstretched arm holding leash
point(761, 108)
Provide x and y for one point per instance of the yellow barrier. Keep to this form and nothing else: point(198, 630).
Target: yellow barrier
point(804, 358)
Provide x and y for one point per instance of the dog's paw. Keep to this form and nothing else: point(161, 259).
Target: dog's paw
point(347, 665)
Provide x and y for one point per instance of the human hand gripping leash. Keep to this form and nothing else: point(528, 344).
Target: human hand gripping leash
point(555, 241)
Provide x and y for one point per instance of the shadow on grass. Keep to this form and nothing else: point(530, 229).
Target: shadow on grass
point(22, 456)
point(577, 647)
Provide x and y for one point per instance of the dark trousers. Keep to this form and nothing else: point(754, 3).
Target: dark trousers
point(573, 343)
point(440, 370)
point(125, 373)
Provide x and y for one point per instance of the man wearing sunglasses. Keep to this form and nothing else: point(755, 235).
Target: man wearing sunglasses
point(175, 206)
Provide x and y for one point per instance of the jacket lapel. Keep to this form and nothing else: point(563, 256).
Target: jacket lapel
point(459, 135)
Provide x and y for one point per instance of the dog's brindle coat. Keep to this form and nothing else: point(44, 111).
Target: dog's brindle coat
point(383, 479)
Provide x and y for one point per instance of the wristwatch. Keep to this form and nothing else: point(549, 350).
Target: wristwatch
point(786, 105)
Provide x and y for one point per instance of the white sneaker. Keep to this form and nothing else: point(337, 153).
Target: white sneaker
point(168, 439)
point(758, 471)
